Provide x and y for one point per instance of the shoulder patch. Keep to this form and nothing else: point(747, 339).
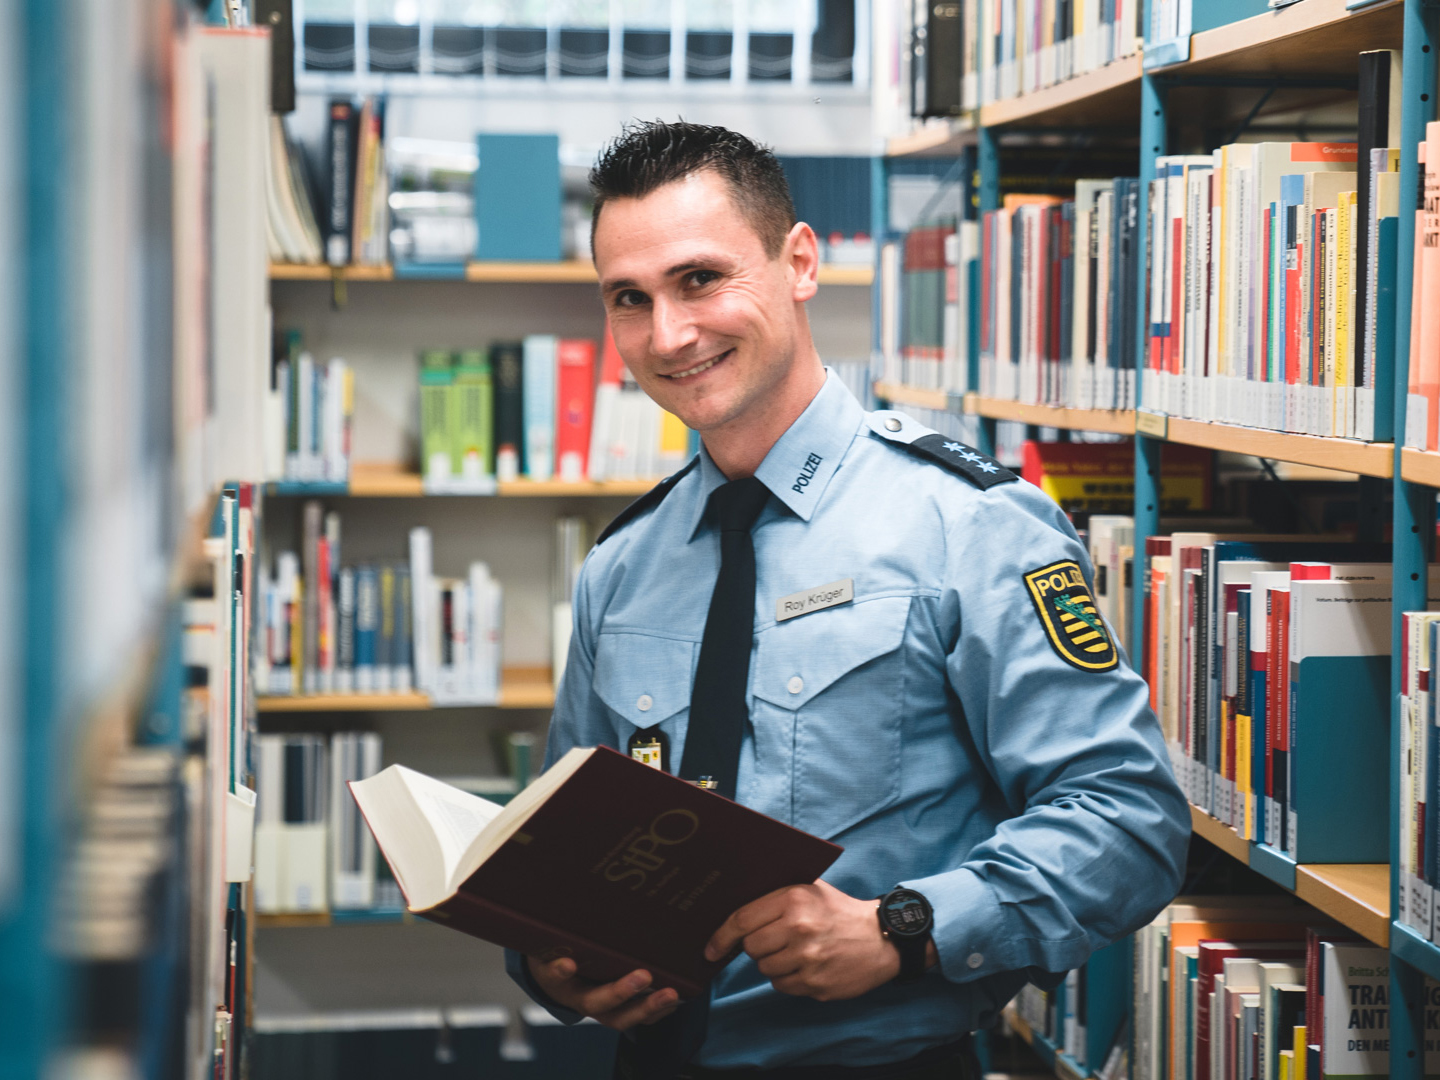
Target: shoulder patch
point(1067, 613)
point(980, 469)
point(654, 497)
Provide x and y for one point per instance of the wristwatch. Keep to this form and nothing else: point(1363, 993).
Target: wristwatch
point(906, 919)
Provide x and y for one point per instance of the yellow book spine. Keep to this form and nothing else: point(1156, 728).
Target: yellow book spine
point(1298, 1070)
point(297, 639)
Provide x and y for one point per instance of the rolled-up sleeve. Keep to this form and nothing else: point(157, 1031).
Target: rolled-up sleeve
point(1097, 842)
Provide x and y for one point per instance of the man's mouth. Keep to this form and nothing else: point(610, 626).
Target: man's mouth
point(698, 368)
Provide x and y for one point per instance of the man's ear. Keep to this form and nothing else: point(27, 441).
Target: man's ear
point(801, 255)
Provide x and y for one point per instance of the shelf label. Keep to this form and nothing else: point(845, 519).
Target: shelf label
point(1156, 425)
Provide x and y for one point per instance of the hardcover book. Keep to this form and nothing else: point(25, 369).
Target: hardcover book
point(603, 859)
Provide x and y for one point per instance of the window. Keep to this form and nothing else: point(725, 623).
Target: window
point(759, 43)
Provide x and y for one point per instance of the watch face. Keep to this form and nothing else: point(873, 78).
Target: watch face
point(906, 913)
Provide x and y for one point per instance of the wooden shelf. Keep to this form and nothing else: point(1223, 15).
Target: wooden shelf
point(572, 272)
point(553, 488)
point(1064, 1066)
point(1420, 466)
point(1219, 834)
point(1314, 38)
point(1354, 894)
point(936, 139)
point(1343, 455)
point(1114, 421)
point(1104, 97)
point(381, 480)
point(380, 702)
point(322, 272)
point(520, 688)
point(913, 396)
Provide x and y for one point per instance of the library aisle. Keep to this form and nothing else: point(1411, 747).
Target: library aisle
point(312, 416)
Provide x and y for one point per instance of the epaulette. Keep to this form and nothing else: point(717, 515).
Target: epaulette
point(654, 497)
point(980, 469)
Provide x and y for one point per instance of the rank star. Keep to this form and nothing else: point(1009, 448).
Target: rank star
point(970, 456)
point(988, 467)
point(954, 448)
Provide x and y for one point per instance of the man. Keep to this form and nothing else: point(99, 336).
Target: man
point(890, 644)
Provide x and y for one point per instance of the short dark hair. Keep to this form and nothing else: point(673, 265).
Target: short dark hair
point(650, 154)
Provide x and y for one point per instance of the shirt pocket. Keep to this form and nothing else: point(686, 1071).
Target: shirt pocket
point(838, 677)
point(644, 680)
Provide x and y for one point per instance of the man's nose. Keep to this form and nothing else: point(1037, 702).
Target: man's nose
point(673, 329)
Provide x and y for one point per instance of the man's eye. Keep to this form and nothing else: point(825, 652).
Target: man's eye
point(630, 298)
point(701, 278)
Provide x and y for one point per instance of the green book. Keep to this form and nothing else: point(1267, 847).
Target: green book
point(472, 416)
point(436, 380)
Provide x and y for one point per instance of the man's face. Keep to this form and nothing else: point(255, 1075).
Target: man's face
point(706, 321)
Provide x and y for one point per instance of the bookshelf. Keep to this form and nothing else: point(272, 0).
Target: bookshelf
point(1065, 1066)
point(1301, 56)
point(938, 138)
point(570, 272)
point(1356, 895)
point(1100, 98)
point(520, 688)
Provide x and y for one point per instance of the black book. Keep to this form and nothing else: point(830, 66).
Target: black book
point(278, 15)
point(936, 48)
point(1375, 76)
point(507, 359)
point(340, 181)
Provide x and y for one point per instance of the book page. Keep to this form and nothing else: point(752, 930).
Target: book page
point(456, 816)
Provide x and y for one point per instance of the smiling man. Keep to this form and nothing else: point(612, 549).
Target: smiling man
point(852, 624)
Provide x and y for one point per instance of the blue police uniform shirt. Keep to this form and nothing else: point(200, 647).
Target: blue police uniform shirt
point(940, 726)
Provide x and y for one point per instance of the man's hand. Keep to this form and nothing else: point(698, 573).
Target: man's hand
point(621, 1004)
point(813, 941)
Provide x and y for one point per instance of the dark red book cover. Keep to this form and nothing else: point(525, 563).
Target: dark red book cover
point(626, 867)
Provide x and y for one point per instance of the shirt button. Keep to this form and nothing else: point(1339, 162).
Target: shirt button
point(892, 424)
point(974, 960)
point(644, 703)
point(795, 685)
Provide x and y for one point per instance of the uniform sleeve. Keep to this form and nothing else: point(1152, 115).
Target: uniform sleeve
point(576, 721)
point(1097, 841)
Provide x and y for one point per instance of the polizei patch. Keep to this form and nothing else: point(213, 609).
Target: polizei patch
point(1067, 612)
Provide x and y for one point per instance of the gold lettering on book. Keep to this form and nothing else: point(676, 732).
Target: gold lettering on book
point(642, 855)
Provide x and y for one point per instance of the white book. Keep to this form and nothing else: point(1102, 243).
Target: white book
point(486, 616)
point(538, 388)
point(1274, 974)
point(354, 755)
point(424, 617)
point(1356, 979)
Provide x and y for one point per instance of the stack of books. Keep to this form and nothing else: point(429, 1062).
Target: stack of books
point(1243, 986)
point(1268, 660)
point(316, 407)
point(1016, 47)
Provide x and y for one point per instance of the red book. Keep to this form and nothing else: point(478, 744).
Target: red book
point(613, 863)
point(574, 407)
point(1213, 955)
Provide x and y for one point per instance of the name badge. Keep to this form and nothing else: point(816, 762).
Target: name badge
point(802, 603)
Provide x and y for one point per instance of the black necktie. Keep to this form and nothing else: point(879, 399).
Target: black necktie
point(717, 702)
point(713, 737)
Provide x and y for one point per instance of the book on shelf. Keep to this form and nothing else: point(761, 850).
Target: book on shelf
point(340, 177)
point(1014, 48)
point(601, 858)
point(317, 403)
point(293, 231)
point(1267, 659)
point(292, 865)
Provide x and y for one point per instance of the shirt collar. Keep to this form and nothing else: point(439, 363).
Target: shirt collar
point(802, 462)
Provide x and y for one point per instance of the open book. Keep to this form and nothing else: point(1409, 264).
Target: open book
point(612, 862)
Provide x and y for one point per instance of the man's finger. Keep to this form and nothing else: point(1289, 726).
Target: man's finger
point(611, 996)
point(779, 965)
point(770, 938)
point(746, 921)
point(642, 1010)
